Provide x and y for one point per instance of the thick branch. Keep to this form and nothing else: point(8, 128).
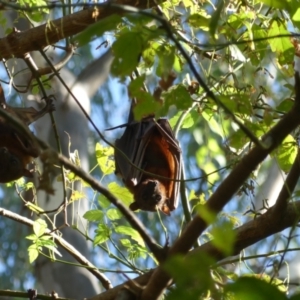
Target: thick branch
point(158, 252)
point(17, 43)
point(246, 235)
point(160, 279)
point(257, 230)
point(277, 218)
point(7, 294)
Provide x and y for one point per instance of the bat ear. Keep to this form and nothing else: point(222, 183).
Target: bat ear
point(165, 209)
point(134, 206)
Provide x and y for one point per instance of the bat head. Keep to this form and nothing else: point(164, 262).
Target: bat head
point(150, 195)
point(11, 166)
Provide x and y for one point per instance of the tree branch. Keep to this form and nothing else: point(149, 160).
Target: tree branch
point(160, 279)
point(14, 295)
point(68, 247)
point(257, 230)
point(246, 235)
point(17, 43)
point(158, 252)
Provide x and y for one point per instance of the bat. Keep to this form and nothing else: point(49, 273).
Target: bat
point(16, 148)
point(151, 146)
point(11, 167)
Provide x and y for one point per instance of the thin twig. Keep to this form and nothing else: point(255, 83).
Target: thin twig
point(68, 247)
point(158, 251)
point(35, 73)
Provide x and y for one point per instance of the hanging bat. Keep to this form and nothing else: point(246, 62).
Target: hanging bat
point(151, 146)
point(16, 148)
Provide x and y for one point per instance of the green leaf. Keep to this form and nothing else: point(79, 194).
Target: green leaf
point(127, 50)
point(114, 214)
point(31, 237)
point(33, 253)
point(136, 84)
point(103, 202)
point(239, 139)
point(258, 34)
point(207, 215)
point(285, 105)
point(37, 14)
point(296, 15)
point(200, 198)
point(189, 121)
point(104, 159)
point(132, 233)
point(192, 275)
point(126, 243)
point(49, 244)
point(286, 153)
point(282, 46)
point(249, 288)
point(35, 89)
point(189, 3)
point(146, 104)
point(237, 103)
point(199, 20)
point(215, 18)
point(103, 232)
point(3, 21)
point(281, 4)
point(121, 193)
point(98, 29)
point(149, 55)
point(39, 227)
point(177, 95)
point(213, 123)
point(76, 195)
point(94, 215)
point(224, 237)
point(166, 55)
point(136, 251)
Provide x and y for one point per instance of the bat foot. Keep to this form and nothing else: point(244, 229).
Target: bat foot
point(50, 107)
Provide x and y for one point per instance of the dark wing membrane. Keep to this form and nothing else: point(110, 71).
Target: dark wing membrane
point(128, 145)
point(143, 139)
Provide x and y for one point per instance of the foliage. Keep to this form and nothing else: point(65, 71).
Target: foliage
point(244, 53)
